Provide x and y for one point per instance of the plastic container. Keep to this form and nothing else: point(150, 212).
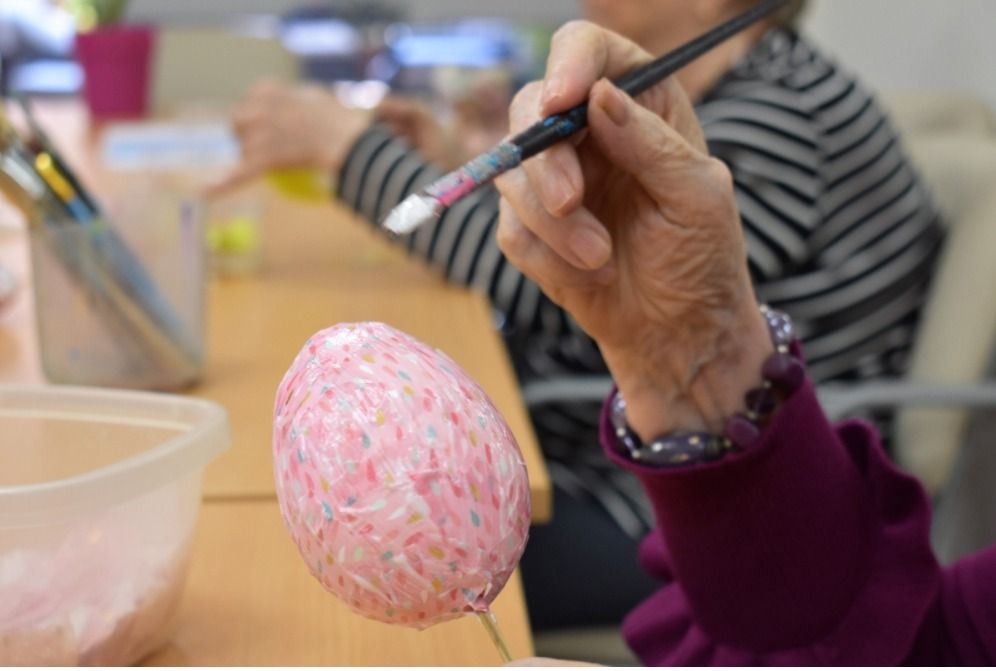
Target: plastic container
point(234, 233)
point(190, 154)
point(122, 305)
point(99, 495)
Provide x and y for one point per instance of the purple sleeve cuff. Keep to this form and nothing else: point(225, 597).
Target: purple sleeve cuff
point(788, 553)
point(968, 611)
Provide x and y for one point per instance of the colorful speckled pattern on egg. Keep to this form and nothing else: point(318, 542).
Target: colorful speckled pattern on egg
point(402, 486)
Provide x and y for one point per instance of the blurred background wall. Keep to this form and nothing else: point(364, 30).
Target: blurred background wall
point(940, 44)
point(896, 44)
point(200, 11)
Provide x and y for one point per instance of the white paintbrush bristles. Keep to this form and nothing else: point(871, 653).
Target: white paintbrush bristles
point(412, 212)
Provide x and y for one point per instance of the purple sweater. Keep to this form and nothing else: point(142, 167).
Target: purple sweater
point(810, 549)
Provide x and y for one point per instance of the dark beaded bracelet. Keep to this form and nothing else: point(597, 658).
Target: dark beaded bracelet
point(781, 374)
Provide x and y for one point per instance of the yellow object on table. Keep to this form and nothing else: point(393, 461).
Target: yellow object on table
point(234, 236)
point(234, 232)
point(303, 184)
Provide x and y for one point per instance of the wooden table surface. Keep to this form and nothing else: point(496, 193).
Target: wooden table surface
point(250, 599)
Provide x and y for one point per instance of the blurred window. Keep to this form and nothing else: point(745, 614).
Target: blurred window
point(36, 45)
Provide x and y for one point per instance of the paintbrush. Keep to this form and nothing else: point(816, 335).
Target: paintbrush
point(39, 142)
point(43, 187)
point(19, 180)
point(429, 203)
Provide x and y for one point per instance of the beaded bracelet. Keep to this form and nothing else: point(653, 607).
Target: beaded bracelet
point(782, 374)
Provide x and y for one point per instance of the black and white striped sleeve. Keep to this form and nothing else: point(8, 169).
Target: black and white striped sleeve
point(841, 232)
point(773, 155)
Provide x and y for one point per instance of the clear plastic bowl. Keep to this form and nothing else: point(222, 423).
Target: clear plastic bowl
point(99, 495)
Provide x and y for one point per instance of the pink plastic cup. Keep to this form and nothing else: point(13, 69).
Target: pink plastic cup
point(116, 65)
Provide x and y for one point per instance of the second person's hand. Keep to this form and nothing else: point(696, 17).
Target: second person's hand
point(291, 126)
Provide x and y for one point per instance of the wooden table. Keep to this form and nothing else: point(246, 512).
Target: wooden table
point(250, 599)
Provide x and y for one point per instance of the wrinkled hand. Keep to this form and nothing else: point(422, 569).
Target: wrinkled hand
point(415, 121)
point(475, 127)
point(634, 230)
point(291, 126)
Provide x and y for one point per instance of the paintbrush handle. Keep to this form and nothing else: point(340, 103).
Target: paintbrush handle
point(551, 130)
point(641, 79)
point(431, 201)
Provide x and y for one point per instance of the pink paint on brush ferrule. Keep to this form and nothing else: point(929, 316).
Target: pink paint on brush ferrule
point(453, 186)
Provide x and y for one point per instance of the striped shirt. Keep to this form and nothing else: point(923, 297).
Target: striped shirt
point(841, 233)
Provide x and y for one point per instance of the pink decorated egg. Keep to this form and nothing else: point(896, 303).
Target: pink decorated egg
point(400, 482)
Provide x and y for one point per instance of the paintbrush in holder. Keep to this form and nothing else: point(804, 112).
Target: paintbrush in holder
point(103, 317)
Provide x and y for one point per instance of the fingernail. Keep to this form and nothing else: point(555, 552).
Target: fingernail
point(557, 195)
point(615, 104)
point(591, 248)
point(557, 192)
point(552, 88)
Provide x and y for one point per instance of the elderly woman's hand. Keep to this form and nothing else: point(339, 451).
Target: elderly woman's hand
point(292, 126)
point(634, 230)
